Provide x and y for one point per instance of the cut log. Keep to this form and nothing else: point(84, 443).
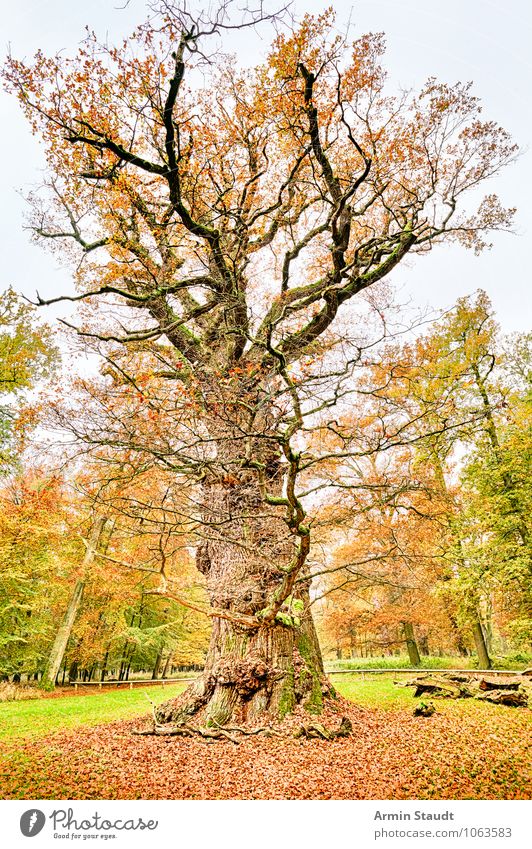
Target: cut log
point(495, 684)
point(512, 698)
point(470, 691)
point(437, 687)
point(462, 686)
point(443, 687)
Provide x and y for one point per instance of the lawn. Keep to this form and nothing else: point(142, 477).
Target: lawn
point(38, 717)
point(81, 747)
point(516, 661)
point(373, 691)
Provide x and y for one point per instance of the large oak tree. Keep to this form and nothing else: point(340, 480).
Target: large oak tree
point(221, 221)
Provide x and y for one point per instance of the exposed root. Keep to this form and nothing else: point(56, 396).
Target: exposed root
point(215, 733)
point(185, 731)
point(249, 732)
point(213, 711)
point(180, 710)
point(317, 731)
point(163, 731)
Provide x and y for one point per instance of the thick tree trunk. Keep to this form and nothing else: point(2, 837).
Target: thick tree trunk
point(246, 558)
point(98, 540)
point(73, 671)
point(424, 646)
point(248, 674)
point(63, 634)
point(264, 657)
point(167, 665)
point(411, 645)
point(103, 670)
point(460, 645)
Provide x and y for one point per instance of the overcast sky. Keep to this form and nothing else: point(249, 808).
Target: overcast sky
point(480, 40)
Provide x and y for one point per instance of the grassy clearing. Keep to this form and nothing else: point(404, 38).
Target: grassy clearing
point(466, 750)
point(377, 691)
point(402, 662)
point(516, 661)
point(31, 719)
point(381, 693)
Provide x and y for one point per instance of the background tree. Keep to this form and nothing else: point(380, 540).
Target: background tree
point(98, 540)
point(35, 551)
point(221, 227)
point(446, 409)
point(27, 355)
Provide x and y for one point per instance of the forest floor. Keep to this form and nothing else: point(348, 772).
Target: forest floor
point(466, 750)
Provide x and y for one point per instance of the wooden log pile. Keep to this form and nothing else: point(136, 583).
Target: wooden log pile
point(516, 692)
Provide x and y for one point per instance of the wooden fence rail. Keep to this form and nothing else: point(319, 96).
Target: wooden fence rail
point(416, 670)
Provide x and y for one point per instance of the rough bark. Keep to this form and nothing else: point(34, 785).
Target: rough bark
point(98, 540)
point(246, 554)
point(497, 684)
point(511, 698)
point(436, 687)
point(247, 674)
point(480, 645)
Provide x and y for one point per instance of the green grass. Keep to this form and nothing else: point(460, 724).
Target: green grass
point(36, 718)
point(518, 662)
point(373, 692)
point(514, 661)
point(403, 662)
point(399, 662)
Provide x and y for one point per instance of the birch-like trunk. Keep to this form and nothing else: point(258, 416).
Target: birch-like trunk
point(98, 541)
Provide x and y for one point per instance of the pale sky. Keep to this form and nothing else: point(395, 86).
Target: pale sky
point(480, 40)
